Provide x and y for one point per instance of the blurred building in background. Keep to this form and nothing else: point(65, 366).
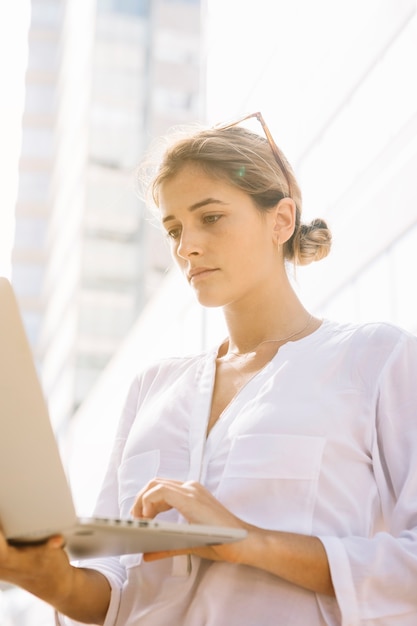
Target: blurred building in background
point(104, 78)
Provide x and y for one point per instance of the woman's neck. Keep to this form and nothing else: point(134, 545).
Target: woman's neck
point(278, 319)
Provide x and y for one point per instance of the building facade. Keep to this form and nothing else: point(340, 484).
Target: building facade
point(104, 78)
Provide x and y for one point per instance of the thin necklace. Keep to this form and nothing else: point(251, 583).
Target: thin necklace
point(297, 332)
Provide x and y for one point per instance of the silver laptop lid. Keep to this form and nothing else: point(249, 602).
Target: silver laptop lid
point(34, 493)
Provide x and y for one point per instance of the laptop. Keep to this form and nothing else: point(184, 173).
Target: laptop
point(35, 498)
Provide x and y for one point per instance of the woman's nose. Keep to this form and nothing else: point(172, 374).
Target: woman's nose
point(188, 244)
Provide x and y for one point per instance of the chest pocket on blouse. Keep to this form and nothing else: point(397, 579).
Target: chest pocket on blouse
point(271, 480)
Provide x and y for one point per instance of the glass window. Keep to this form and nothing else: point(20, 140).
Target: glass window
point(110, 260)
point(27, 279)
point(108, 314)
point(38, 142)
point(123, 57)
point(43, 55)
point(30, 232)
point(33, 186)
point(171, 48)
point(172, 100)
point(40, 98)
point(32, 322)
point(116, 137)
point(131, 7)
point(47, 13)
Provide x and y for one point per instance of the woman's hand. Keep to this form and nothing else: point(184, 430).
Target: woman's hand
point(300, 559)
point(197, 506)
point(45, 571)
point(38, 568)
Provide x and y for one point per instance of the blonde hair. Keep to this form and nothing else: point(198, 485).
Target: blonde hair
point(245, 160)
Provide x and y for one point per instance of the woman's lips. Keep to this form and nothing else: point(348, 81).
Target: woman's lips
point(199, 273)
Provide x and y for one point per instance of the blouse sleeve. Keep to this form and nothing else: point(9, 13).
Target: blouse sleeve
point(375, 578)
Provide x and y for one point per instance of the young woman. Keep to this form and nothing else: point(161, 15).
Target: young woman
point(301, 431)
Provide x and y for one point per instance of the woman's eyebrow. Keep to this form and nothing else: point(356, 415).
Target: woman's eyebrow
point(196, 205)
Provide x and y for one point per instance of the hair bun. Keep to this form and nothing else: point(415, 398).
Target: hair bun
point(312, 242)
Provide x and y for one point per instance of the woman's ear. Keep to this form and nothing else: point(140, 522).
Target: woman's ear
point(284, 220)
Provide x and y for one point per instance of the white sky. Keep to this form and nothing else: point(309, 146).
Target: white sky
point(263, 55)
point(14, 20)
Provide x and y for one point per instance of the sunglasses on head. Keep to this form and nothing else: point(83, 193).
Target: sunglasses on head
point(272, 144)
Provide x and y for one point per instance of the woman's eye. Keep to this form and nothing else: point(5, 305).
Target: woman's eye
point(174, 233)
point(211, 219)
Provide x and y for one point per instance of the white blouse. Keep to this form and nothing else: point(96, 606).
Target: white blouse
point(322, 441)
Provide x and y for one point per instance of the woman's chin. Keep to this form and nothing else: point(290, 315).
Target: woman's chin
point(207, 301)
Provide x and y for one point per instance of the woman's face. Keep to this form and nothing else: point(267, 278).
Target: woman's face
point(224, 245)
